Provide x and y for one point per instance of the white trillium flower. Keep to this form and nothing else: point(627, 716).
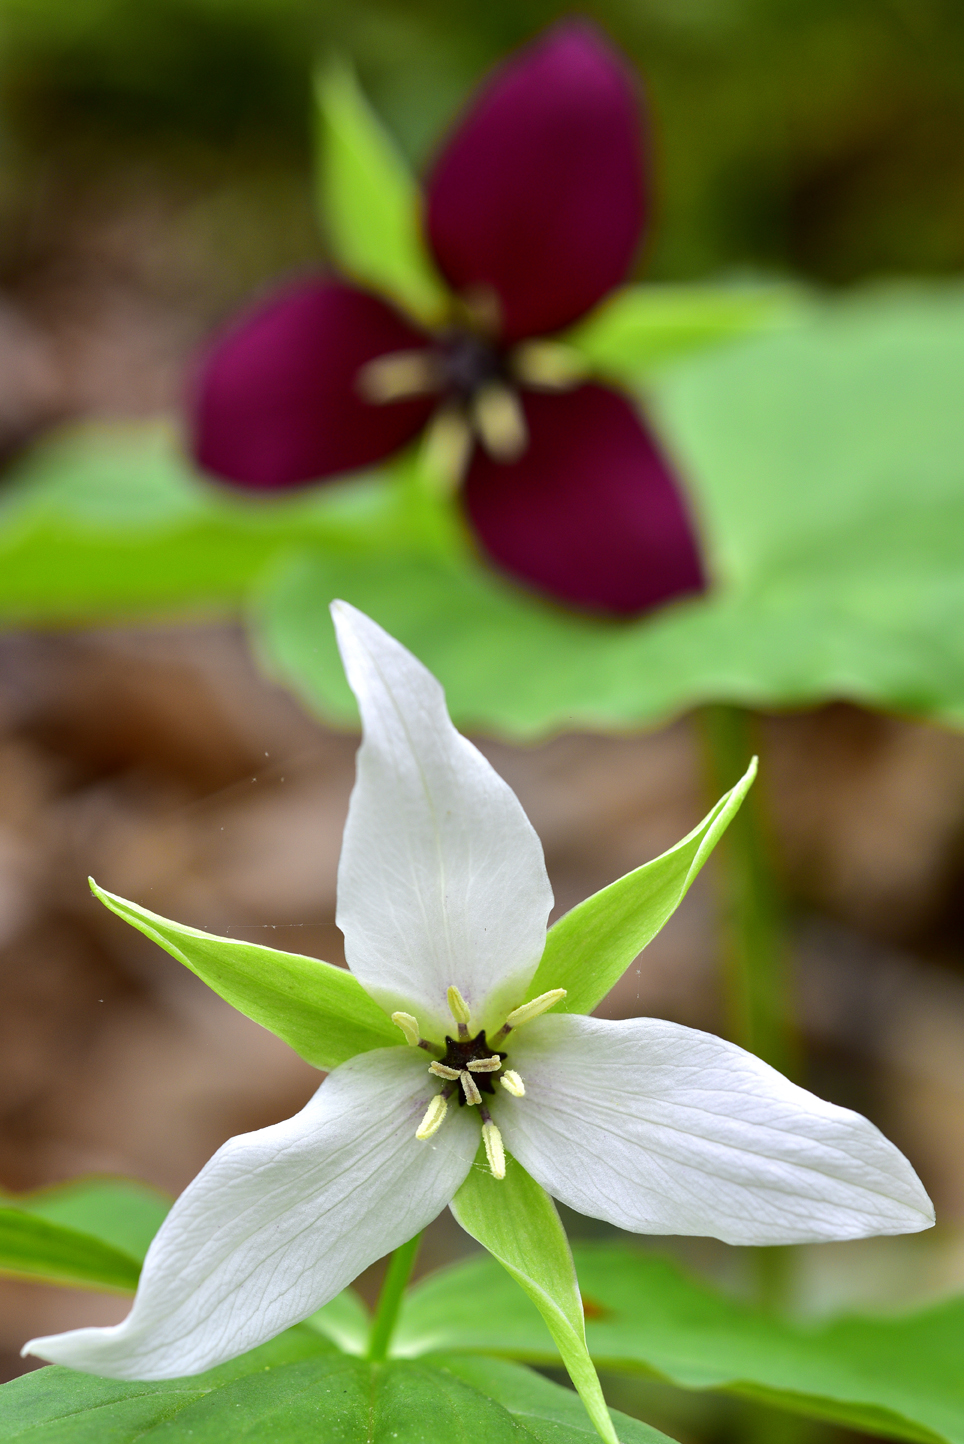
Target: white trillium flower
point(443, 899)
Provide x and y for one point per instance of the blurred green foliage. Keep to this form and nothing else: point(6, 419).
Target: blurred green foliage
point(824, 138)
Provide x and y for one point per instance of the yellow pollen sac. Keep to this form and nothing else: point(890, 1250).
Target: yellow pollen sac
point(500, 422)
point(398, 376)
point(434, 1115)
point(441, 1070)
point(485, 1065)
point(447, 449)
point(409, 1027)
point(494, 1151)
point(548, 366)
point(512, 1083)
point(528, 1011)
point(469, 1088)
point(459, 1009)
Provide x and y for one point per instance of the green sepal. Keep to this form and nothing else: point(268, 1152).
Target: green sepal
point(516, 1220)
point(34, 1248)
point(641, 327)
point(591, 946)
point(370, 202)
point(322, 1011)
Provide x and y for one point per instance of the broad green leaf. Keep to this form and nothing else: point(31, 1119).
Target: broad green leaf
point(119, 1211)
point(101, 521)
point(516, 1220)
point(322, 1011)
point(591, 946)
point(345, 1321)
point(369, 201)
point(900, 1377)
point(298, 1390)
point(539, 1406)
point(825, 462)
point(642, 327)
point(33, 1248)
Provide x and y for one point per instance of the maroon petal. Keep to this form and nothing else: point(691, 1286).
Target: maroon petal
point(276, 401)
point(591, 513)
point(539, 194)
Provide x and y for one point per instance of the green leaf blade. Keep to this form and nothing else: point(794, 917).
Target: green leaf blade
point(517, 1222)
point(320, 1010)
point(900, 1377)
point(592, 945)
point(370, 202)
point(549, 1413)
point(297, 1389)
point(34, 1248)
point(825, 464)
point(111, 520)
point(120, 1212)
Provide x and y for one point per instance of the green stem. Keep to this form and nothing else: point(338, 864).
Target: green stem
point(390, 1299)
point(756, 976)
point(756, 979)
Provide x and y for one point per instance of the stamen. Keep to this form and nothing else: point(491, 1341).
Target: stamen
point(527, 1011)
point(460, 1010)
point(434, 1116)
point(485, 1065)
point(512, 1083)
point(548, 365)
point(398, 376)
point(441, 1070)
point(409, 1026)
point(500, 421)
point(446, 449)
point(494, 1149)
point(482, 307)
point(469, 1087)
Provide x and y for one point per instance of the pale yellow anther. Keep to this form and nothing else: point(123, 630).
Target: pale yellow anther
point(494, 1151)
point(399, 375)
point(409, 1027)
point(446, 450)
point(528, 1011)
point(481, 306)
point(485, 1065)
point(512, 1083)
point(441, 1070)
point(434, 1114)
point(469, 1087)
point(458, 1007)
point(500, 421)
point(548, 365)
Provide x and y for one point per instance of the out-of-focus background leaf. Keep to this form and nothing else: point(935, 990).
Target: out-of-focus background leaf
point(156, 170)
point(827, 467)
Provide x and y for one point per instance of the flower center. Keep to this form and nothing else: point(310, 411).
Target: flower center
point(476, 388)
point(465, 1055)
point(469, 1065)
point(468, 362)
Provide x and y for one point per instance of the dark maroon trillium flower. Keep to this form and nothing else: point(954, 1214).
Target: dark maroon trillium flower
point(534, 211)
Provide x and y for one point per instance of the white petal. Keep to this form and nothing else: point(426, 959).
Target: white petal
point(662, 1129)
point(281, 1220)
point(442, 879)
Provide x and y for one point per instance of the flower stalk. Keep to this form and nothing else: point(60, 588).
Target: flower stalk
point(396, 1279)
point(756, 981)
